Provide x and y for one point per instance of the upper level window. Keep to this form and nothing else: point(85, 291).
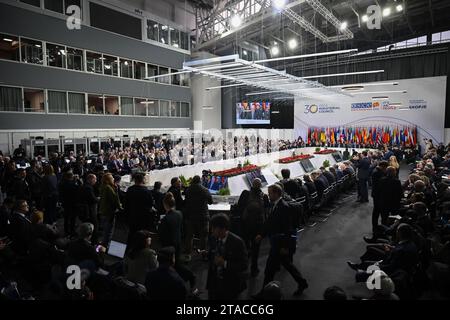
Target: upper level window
point(9, 47)
point(33, 100)
point(152, 71)
point(163, 34)
point(126, 68)
point(56, 55)
point(10, 99)
point(184, 40)
point(95, 104)
point(75, 59)
point(163, 71)
point(36, 3)
point(127, 106)
point(31, 51)
point(55, 5)
point(94, 62)
point(57, 101)
point(139, 70)
point(174, 37)
point(110, 66)
point(112, 105)
point(152, 30)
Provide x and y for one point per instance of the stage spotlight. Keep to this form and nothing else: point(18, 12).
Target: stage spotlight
point(399, 8)
point(386, 12)
point(343, 25)
point(279, 4)
point(236, 21)
point(292, 44)
point(275, 51)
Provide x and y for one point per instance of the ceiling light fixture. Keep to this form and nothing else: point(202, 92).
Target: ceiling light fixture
point(343, 26)
point(236, 21)
point(399, 8)
point(7, 39)
point(275, 51)
point(279, 4)
point(292, 43)
point(365, 18)
point(386, 12)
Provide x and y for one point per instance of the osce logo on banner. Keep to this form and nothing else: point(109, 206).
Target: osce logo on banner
point(417, 104)
point(363, 106)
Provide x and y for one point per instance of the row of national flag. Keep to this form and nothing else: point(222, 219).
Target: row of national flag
point(399, 135)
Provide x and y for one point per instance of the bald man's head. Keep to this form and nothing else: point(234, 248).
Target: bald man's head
point(256, 183)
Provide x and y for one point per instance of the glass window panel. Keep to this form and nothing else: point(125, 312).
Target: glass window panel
point(94, 62)
point(175, 109)
point(56, 55)
point(10, 99)
point(33, 100)
point(110, 65)
point(69, 3)
point(174, 37)
point(163, 34)
point(112, 105)
point(139, 70)
point(126, 105)
point(411, 42)
point(152, 30)
point(185, 79)
point(76, 103)
point(153, 108)
point(36, 3)
point(54, 5)
point(140, 107)
point(126, 68)
point(164, 108)
point(74, 59)
point(445, 36)
point(152, 71)
point(436, 37)
point(185, 112)
point(176, 78)
point(31, 51)
point(9, 47)
point(57, 102)
point(184, 40)
point(95, 104)
point(422, 41)
point(163, 71)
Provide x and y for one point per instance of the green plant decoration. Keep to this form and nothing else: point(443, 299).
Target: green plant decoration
point(326, 164)
point(224, 192)
point(317, 149)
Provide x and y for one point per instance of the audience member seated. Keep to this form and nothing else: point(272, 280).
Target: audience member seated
point(165, 283)
point(140, 259)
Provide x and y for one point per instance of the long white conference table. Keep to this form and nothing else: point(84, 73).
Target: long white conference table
point(271, 169)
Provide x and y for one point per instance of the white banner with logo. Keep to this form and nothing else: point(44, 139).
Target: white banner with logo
point(413, 102)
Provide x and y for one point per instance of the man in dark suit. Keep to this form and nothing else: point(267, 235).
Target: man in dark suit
point(391, 193)
point(19, 189)
point(378, 173)
point(89, 204)
point(175, 189)
point(279, 228)
point(169, 232)
point(227, 262)
point(20, 229)
point(197, 214)
point(165, 283)
point(291, 187)
point(138, 206)
point(252, 206)
point(363, 165)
